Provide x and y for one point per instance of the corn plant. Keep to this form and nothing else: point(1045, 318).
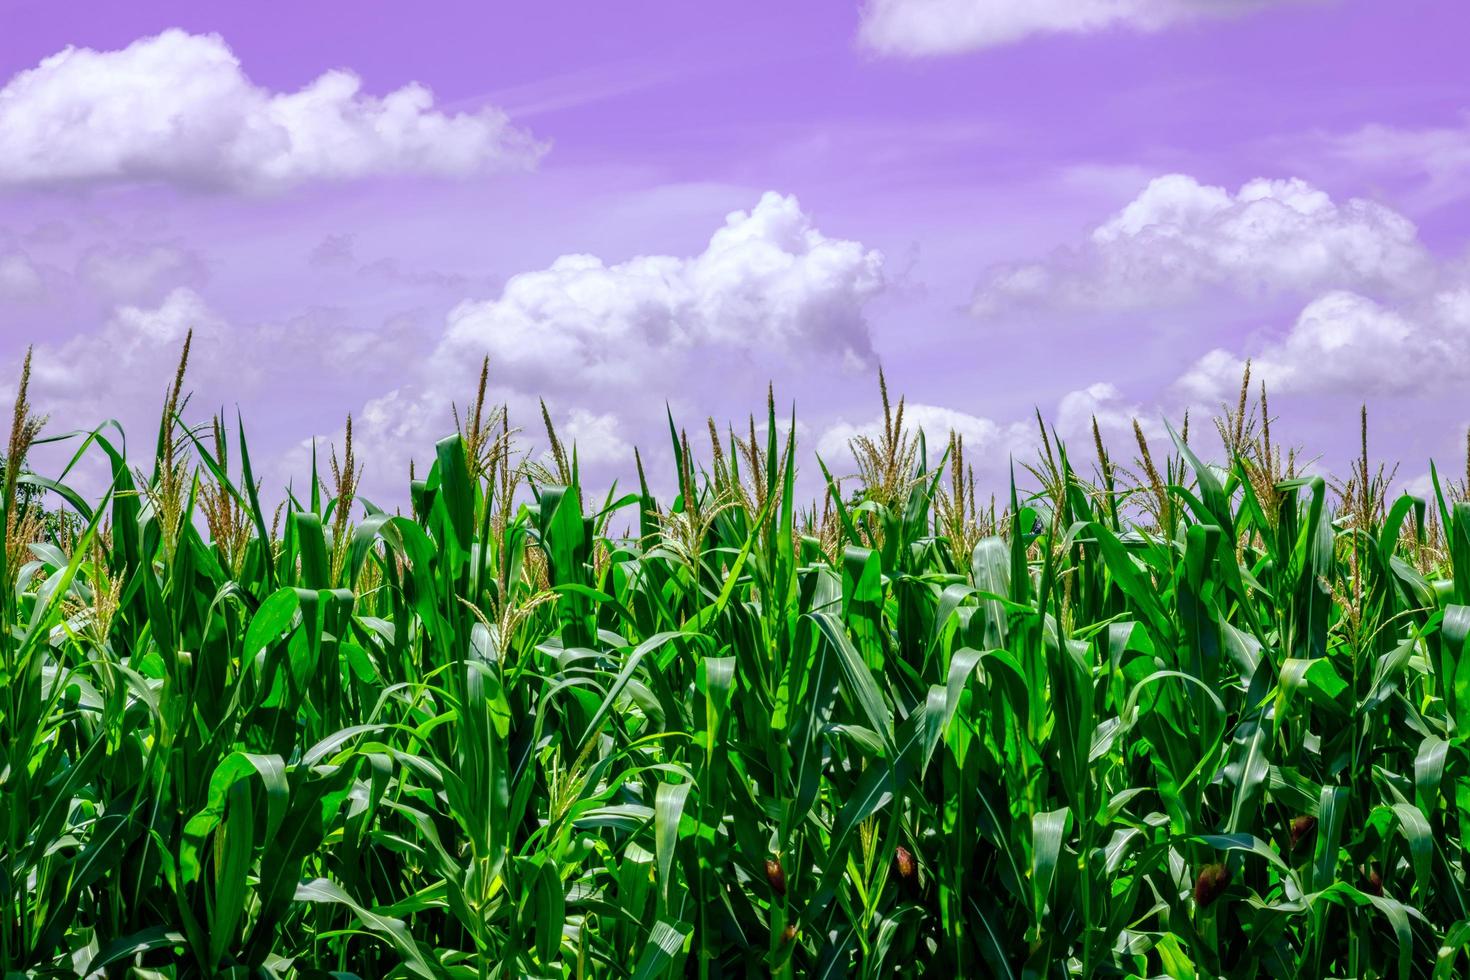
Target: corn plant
point(1204, 721)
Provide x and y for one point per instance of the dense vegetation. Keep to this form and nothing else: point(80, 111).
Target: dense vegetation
point(1208, 720)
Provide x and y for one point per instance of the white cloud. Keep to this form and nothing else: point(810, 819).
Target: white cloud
point(177, 107)
point(283, 374)
point(1437, 156)
point(122, 369)
point(992, 446)
point(988, 444)
point(939, 27)
point(769, 297)
point(1344, 341)
point(397, 427)
point(1421, 484)
point(19, 277)
point(598, 438)
point(1104, 402)
point(1180, 239)
point(135, 271)
point(120, 372)
point(768, 285)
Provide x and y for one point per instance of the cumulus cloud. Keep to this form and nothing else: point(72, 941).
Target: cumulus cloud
point(1378, 312)
point(936, 421)
point(989, 445)
point(598, 437)
point(1180, 239)
point(993, 447)
point(768, 284)
point(178, 107)
point(118, 372)
point(769, 297)
point(1104, 402)
point(125, 365)
point(1345, 341)
point(939, 27)
point(121, 368)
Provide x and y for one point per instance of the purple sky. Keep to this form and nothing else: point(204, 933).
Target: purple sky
point(1086, 206)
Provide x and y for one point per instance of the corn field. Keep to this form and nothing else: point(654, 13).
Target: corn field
point(1154, 719)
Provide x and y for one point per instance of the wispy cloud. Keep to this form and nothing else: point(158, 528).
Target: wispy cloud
point(1180, 239)
point(916, 28)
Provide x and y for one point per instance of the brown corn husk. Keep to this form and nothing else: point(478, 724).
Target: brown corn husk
point(1211, 884)
point(776, 876)
point(903, 859)
point(1302, 827)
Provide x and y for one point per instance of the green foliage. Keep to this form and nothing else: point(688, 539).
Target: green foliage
point(490, 738)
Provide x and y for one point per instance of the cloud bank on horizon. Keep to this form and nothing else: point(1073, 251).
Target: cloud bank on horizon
point(364, 253)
